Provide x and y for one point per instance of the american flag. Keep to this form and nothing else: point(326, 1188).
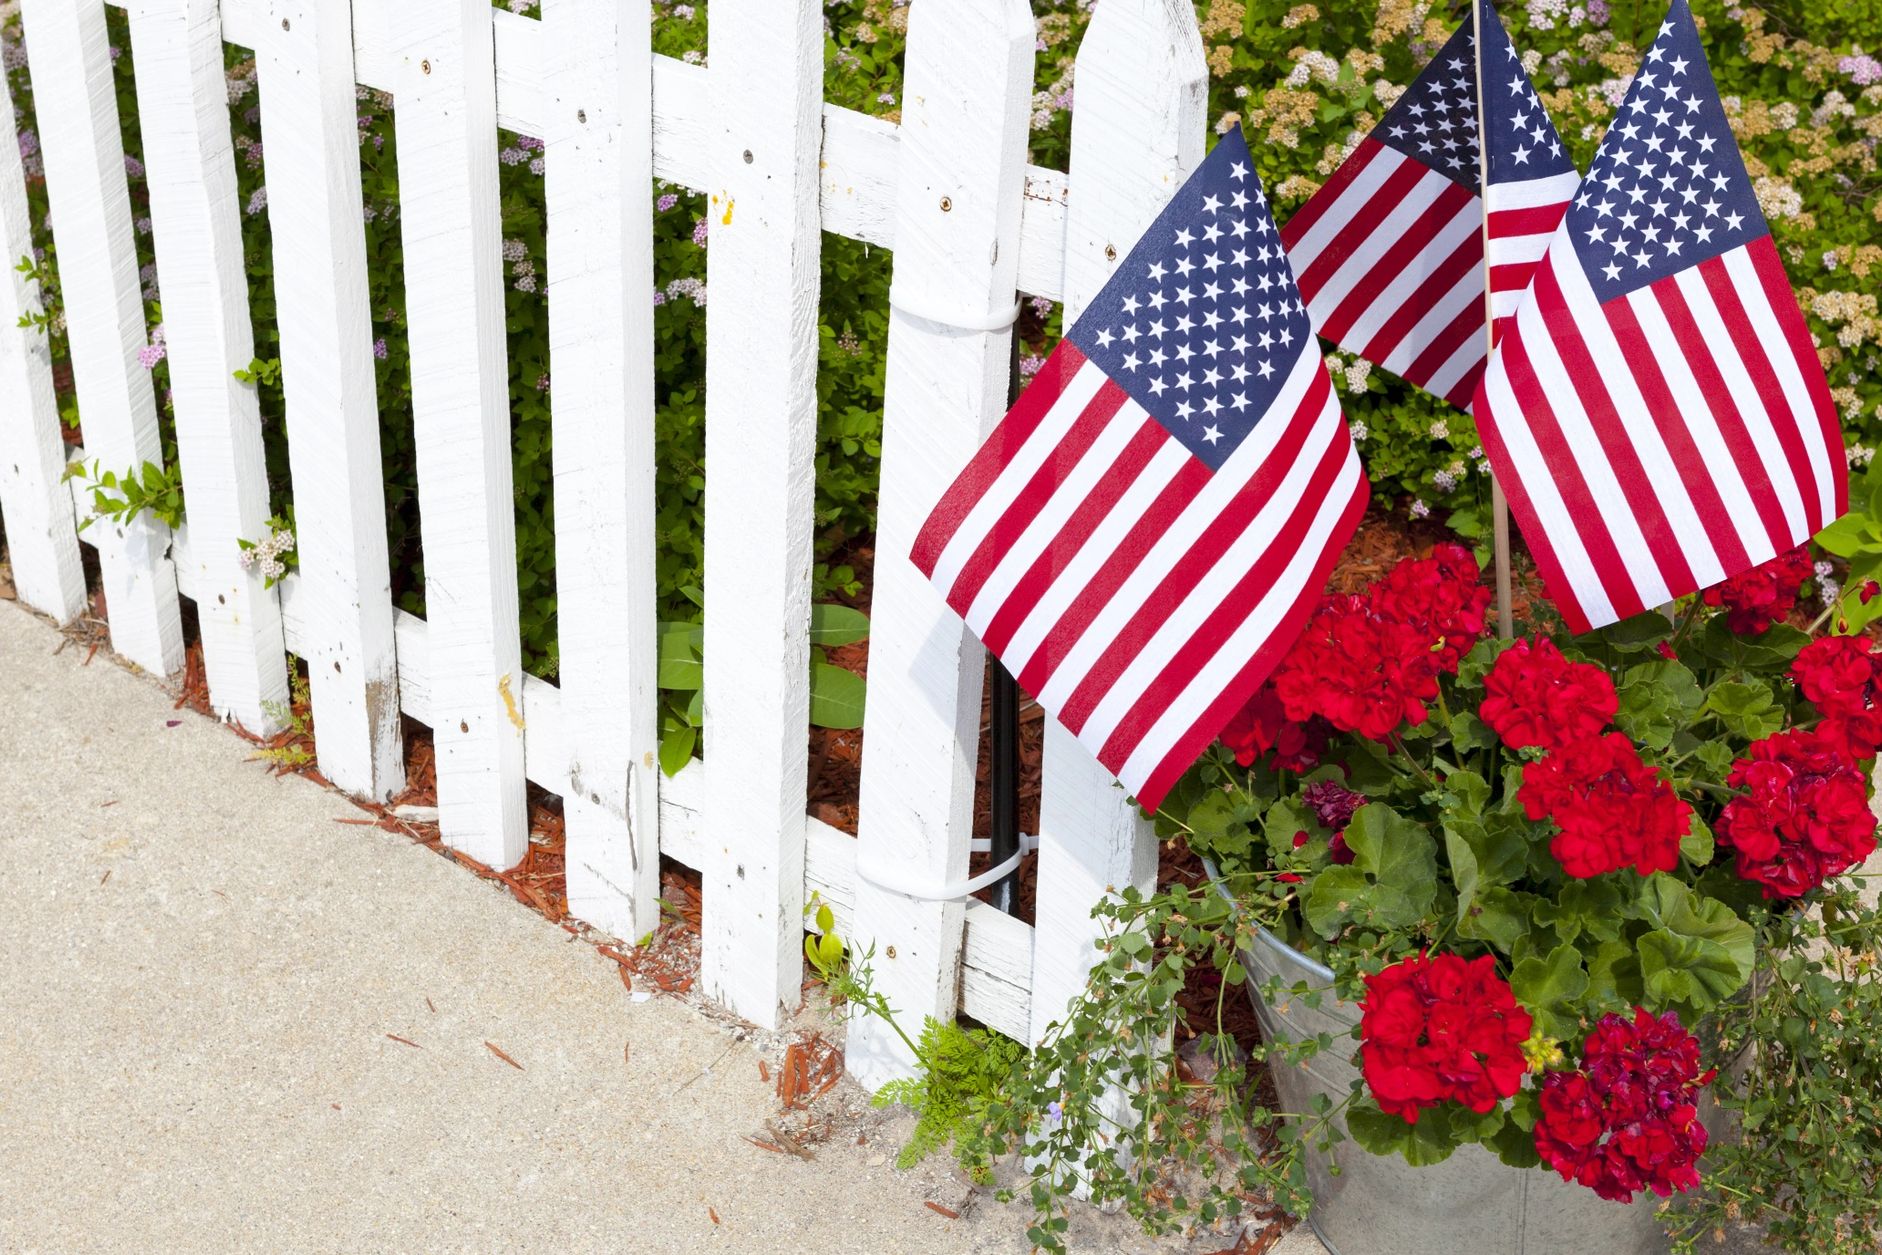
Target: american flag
point(1143, 535)
point(1390, 252)
point(1656, 411)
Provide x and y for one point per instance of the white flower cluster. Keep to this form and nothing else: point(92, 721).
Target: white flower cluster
point(267, 554)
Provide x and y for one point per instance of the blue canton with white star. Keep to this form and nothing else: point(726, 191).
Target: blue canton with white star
point(1435, 121)
point(1202, 323)
point(1523, 141)
point(1668, 189)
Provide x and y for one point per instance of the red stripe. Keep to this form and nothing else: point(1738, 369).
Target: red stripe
point(1397, 259)
point(1697, 355)
point(1162, 512)
point(1236, 605)
point(1443, 346)
point(1586, 377)
point(1535, 220)
point(1032, 498)
point(1535, 413)
point(1777, 290)
point(985, 466)
point(1751, 354)
point(1688, 463)
point(1366, 218)
point(1330, 192)
point(1512, 276)
point(1237, 693)
point(1071, 537)
point(1467, 257)
point(1195, 563)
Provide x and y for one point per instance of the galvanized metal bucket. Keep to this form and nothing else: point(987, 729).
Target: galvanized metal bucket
point(1471, 1204)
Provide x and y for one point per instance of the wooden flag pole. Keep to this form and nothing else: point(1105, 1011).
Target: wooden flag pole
point(1499, 505)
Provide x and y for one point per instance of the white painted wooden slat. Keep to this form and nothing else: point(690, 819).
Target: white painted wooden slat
point(41, 541)
point(1137, 130)
point(599, 187)
point(445, 118)
point(182, 100)
point(97, 260)
point(761, 424)
point(966, 100)
point(304, 57)
point(857, 166)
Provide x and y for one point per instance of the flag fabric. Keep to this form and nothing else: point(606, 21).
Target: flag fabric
point(1390, 252)
point(1143, 535)
point(1656, 411)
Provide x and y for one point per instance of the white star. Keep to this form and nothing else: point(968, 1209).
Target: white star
point(1131, 333)
point(1732, 221)
point(1156, 271)
point(1184, 409)
point(1265, 369)
point(1212, 434)
point(1211, 204)
point(1132, 361)
point(1612, 271)
point(1130, 304)
point(1212, 233)
point(1184, 380)
point(1239, 400)
point(1157, 385)
point(1104, 339)
point(1238, 171)
point(1211, 405)
point(1183, 238)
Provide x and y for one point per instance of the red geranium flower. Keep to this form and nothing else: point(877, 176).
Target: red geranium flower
point(1763, 595)
point(1613, 810)
point(1534, 696)
point(1628, 1119)
point(1262, 725)
point(1435, 1028)
point(1840, 675)
point(1441, 596)
point(1362, 671)
point(1805, 819)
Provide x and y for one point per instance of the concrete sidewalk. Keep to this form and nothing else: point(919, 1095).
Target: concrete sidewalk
point(200, 972)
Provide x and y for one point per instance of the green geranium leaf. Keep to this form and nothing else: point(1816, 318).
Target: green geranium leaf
point(1470, 733)
point(1500, 916)
point(1550, 988)
point(1285, 820)
point(1700, 955)
point(1337, 896)
point(837, 625)
point(1658, 698)
point(1477, 663)
point(1746, 708)
point(1636, 635)
point(1697, 846)
point(1429, 1141)
point(1216, 827)
point(1463, 871)
point(1614, 978)
point(1585, 907)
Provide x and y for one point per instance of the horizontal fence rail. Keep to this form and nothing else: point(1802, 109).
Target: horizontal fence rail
point(779, 165)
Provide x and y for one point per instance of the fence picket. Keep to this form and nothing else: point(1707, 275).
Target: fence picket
point(1137, 130)
point(42, 540)
point(967, 89)
point(91, 227)
point(304, 58)
point(599, 186)
point(445, 119)
point(182, 99)
point(761, 423)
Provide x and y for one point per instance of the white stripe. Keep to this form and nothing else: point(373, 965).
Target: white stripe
point(1066, 497)
point(1703, 425)
point(1181, 536)
point(1468, 357)
point(1441, 315)
point(1366, 257)
point(1092, 555)
point(1503, 304)
point(1643, 431)
point(1519, 250)
point(1590, 453)
point(1384, 164)
point(1533, 472)
point(1392, 298)
point(1777, 347)
point(1751, 405)
point(993, 503)
point(1556, 189)
point(1207, 684)
point(1202, 600)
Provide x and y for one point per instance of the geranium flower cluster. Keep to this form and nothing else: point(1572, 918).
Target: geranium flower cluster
point(1534, 696)
point(1764, 595)
point(1805, 817)
point(1437, 1028)
point(1368, 664)
point(1613, 811)
point(1841, 676)
point(1628, 1118)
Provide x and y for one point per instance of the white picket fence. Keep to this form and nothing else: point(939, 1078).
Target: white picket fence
point(949, 190)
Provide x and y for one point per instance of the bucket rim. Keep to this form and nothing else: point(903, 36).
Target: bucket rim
point(1263, 936)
